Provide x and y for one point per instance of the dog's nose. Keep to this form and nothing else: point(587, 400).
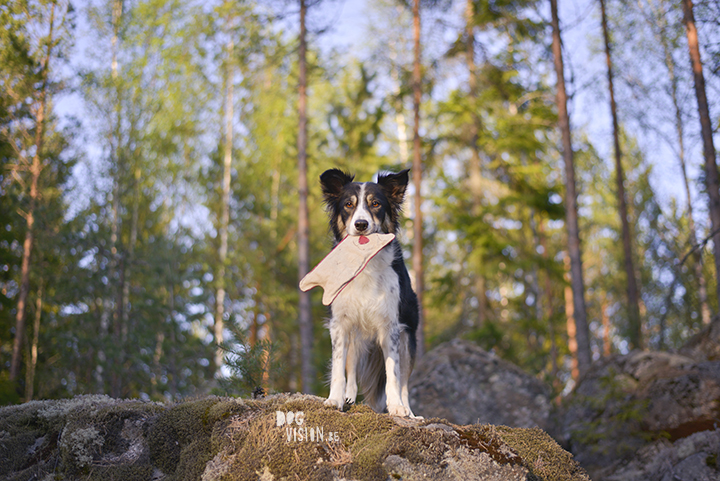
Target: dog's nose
point(361, 225)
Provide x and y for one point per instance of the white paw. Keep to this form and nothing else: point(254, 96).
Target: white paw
point(335, 403)
point(398, 410)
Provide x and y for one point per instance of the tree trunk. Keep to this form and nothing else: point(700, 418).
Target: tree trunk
point(128, 264)
point(30, 374)
point(679, 128)
point(549, 312)
point(307, 372)
point(224, 211)
point(534, 274)
point(115, 260)
point(712, 182)
point(607, 345)
point(474, 167)
point(659, 22)
point(632, 288)
point(172, 367)
point(571, 211)
point(571, 326)
point(35, 171)
point(417, 181)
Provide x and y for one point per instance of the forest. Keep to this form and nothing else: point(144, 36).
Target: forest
point(159, 194)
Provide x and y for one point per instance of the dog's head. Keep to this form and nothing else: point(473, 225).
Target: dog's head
point(362, 208)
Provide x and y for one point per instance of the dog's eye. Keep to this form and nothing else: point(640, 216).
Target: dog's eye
point(375, 204)
point(349, 205)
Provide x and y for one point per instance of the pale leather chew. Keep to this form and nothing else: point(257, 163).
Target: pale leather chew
point(343, 264)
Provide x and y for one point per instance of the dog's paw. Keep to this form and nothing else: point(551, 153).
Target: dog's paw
point(335, 403)
point(398, 410)
point(350, 394)
point(348, 404)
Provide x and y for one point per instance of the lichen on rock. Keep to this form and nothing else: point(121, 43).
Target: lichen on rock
point(219, 438)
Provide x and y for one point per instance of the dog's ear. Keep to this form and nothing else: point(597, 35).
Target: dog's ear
point(394, 186)
point(332, 182)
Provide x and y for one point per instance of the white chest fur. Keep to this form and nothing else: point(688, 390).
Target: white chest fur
point(370, 302)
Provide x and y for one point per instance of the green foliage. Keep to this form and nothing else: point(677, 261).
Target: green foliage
point(249, 365)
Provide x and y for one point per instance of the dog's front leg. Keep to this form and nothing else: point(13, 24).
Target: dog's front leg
point(351, 368)
point(391, 353)
point(339, 340)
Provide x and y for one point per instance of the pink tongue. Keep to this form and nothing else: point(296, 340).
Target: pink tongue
point(364, 240)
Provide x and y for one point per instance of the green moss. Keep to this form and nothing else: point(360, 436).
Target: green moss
point(17, 450)
point(541, 454)
point(231, 439)
point(121, 473)
point(180, 439)
point(25, 438)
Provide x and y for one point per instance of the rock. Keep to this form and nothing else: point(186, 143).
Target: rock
point(692, 458)
point(465, 384)
point(705, 345)
point(626, 404)
point(274, 438)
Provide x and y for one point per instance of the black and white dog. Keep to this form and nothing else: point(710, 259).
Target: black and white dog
point(375, 317)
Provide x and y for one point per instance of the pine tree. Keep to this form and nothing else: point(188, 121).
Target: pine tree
point(712, 180)
point(584, 354)
point(632, 288)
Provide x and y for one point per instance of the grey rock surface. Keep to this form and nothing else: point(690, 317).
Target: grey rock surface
point(705, 345)
point(626, 404)
point(463, 383)
point(693, 458)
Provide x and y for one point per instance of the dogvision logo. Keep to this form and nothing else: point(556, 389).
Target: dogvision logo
point(300, 432)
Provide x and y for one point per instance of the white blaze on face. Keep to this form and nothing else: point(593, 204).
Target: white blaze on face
point(361, 214)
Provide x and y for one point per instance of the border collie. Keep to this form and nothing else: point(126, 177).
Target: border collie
point(375, 317)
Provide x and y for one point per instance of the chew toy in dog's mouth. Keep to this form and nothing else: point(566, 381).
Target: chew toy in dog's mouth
point(344, 263)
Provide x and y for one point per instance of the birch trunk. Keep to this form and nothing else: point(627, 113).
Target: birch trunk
point(417, 181)
point(224, 211)
point(115, 261)
point(307, 372)
point(36, 168)
point(474, 167)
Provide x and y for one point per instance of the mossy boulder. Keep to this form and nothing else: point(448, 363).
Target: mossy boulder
point(627, 407)
point(217, 438)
